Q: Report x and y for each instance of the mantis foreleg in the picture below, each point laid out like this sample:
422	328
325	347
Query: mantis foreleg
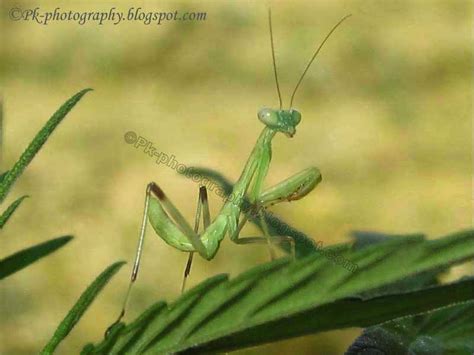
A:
293	188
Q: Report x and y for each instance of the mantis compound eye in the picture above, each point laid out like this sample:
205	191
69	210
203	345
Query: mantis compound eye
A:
295	116
268	116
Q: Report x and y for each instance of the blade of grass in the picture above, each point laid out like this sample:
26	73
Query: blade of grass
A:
9	211
82	304
25	257
37	143
2	175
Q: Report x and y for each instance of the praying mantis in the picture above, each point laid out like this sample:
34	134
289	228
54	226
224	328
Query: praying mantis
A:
169	224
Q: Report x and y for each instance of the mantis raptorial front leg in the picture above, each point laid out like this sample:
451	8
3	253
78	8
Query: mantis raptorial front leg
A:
293	188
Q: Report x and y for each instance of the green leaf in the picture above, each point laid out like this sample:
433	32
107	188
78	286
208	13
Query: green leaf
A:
445	331
25	257
284	299
82	304
36	144
424	279
9	211
345	313
304	245
2	175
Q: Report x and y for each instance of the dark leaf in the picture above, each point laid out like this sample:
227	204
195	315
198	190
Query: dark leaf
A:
25	257
444	331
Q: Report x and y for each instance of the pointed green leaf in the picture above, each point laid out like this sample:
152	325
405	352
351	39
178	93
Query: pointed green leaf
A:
9	211
82	304
304	245
284	298
37	143
366	238
23	258
425	279
2	176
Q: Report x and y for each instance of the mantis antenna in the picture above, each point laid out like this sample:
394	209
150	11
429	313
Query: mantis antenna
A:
273	56
314	56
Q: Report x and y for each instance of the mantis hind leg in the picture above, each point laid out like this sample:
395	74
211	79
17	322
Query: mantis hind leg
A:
202	209
188	232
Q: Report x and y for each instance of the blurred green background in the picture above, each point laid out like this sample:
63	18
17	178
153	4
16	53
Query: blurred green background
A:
386	117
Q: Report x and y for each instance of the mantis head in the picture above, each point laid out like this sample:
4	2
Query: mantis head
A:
284	121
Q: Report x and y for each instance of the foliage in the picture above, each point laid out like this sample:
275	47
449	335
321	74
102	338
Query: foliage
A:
25	257
284	299
81	306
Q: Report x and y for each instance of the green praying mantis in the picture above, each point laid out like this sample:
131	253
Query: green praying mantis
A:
172	227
